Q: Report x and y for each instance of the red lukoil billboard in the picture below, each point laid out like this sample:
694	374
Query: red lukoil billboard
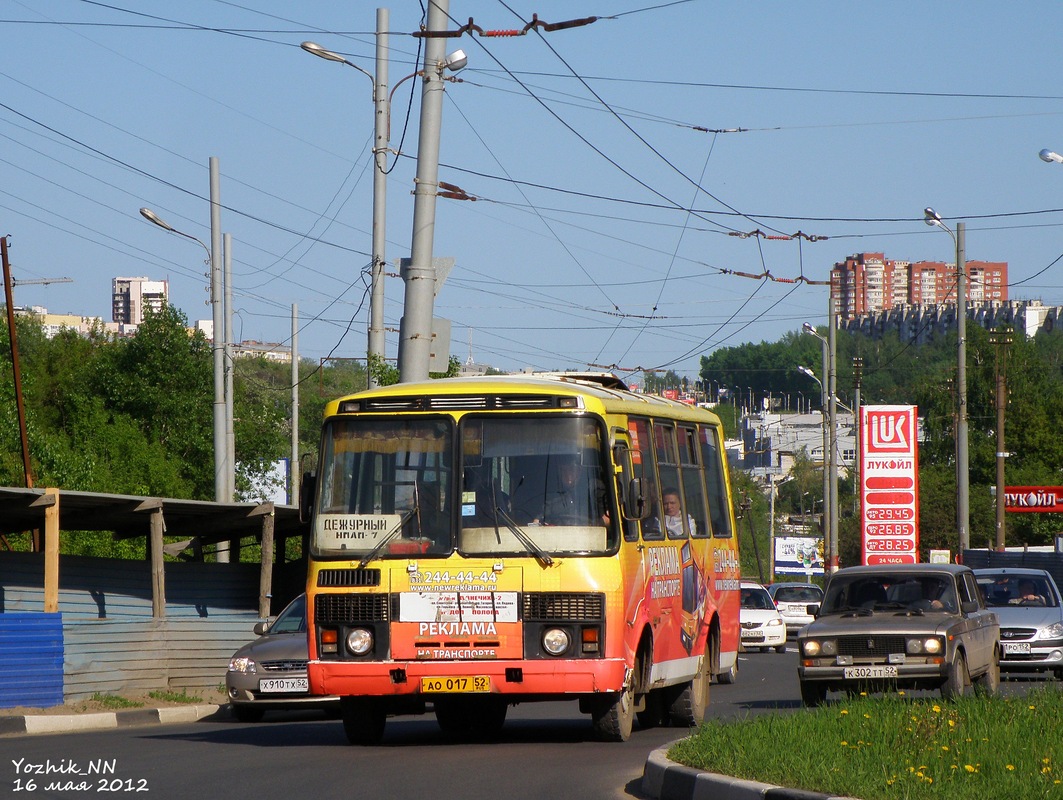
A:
889	485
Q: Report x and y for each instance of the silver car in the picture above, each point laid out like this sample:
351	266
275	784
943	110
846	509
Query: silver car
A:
269	674
904	626
1027	602
793	600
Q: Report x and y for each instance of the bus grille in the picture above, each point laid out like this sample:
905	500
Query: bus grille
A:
869	645
339	609
562	606
348	577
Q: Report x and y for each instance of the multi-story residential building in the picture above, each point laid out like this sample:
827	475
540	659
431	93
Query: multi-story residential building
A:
131	297
870	283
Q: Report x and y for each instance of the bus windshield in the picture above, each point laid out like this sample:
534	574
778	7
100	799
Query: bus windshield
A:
385	487
528	486
534	483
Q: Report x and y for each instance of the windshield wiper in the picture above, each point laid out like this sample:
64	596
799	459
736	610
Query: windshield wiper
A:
387	537
524	538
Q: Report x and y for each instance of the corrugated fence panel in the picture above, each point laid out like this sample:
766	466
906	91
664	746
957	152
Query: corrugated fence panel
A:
103	587
31	660
139	655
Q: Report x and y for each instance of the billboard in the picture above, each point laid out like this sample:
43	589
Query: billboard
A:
799	555
1033	499
889	485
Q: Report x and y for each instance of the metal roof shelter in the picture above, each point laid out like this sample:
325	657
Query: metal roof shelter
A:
129	516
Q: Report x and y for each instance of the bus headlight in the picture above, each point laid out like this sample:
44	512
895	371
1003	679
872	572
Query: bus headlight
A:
555	641
360	641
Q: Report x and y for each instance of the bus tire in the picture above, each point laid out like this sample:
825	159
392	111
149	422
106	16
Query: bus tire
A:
363	720
687	709
614	714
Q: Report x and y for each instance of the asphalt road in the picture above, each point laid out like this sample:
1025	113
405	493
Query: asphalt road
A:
545	751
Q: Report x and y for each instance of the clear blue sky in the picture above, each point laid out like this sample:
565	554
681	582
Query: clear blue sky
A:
609	189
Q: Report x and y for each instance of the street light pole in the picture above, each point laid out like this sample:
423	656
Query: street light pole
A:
376	344
825	508
221	459
963	508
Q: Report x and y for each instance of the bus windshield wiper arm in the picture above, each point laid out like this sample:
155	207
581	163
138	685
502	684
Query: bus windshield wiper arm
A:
523	538
387	538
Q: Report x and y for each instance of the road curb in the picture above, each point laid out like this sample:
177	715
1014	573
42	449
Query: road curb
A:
70	723
666	780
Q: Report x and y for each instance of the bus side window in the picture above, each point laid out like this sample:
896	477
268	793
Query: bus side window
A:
716	482
673	519
645	467
693	481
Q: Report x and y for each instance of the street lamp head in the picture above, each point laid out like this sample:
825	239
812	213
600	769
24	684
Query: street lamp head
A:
1050	157
151	216
806	371
808	328
456	60
321	52
931	217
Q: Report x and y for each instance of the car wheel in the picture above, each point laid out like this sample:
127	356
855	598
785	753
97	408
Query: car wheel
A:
813	693
363	720
731	675
780	648
988	683
957	680
247	713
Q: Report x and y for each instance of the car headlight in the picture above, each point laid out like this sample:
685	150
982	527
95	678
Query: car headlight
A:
360	641
774	623
1053	631
555	641
242	664
931	646
819	647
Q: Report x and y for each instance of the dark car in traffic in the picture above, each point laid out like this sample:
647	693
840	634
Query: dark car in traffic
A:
904	626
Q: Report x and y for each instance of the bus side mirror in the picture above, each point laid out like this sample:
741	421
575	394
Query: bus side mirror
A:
634	500
307	489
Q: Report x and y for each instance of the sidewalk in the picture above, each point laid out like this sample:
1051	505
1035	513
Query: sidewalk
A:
20	724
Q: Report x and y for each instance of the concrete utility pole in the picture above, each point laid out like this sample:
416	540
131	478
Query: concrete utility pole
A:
833	410
293	471
1001	337
415	330
218	346
227	347
382	116
963	476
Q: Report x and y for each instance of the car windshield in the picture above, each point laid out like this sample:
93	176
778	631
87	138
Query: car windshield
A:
1009	589
889	591
756	598
798	594
292	619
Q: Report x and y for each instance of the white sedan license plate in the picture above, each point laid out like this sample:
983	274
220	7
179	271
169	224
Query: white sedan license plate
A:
859	673
283	685
1016	648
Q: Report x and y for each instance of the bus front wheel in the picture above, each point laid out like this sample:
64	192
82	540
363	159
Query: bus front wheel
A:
363	720
690	700
614	715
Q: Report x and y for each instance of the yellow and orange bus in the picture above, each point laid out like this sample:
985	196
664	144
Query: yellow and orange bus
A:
481	542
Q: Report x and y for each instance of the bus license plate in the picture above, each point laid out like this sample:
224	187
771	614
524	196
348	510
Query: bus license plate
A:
858	673
283	685
468	683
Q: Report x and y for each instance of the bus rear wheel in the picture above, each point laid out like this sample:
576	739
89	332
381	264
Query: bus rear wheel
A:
363	720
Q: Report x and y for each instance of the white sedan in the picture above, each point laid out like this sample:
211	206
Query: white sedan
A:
762	625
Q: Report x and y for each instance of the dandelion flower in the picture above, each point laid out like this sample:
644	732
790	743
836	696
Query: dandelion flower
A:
1010	767
970	768
936	708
